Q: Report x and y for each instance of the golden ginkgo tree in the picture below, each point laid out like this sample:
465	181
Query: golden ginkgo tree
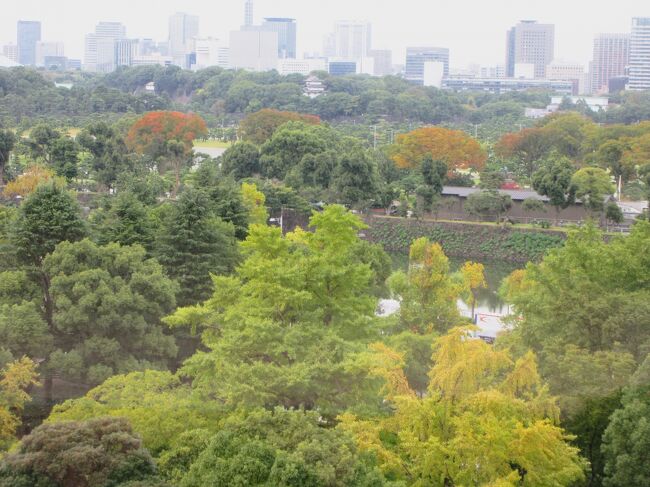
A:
487	420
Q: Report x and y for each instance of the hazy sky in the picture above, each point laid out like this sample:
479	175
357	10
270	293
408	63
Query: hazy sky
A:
474	30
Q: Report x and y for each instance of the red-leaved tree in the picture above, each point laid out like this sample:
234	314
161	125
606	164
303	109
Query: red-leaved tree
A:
168	138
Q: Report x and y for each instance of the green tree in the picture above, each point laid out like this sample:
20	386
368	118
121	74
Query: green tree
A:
426	292
613	212
286	327
583	309
41	141
554	179
280	448
225	197
588	425
107	306
48	216
158	405
241	161
124	219
64	157
492	180
101	452
355	177
110	157
627	440
488	203
592	185
194	243
7	142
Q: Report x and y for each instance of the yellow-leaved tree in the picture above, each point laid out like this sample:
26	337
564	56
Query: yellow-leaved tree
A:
473	277
26	183
254	201
487	420
15	378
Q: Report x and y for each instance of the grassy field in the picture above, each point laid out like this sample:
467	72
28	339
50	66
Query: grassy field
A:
217	144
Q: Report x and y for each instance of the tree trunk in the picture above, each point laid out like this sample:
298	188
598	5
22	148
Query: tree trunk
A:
48	311
47	388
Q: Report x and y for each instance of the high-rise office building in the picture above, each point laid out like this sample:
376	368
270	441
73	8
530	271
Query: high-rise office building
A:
48	49
419	60
10	51
210	52
254	50
530	43
29	33
99	54
567	71
286	29
640	54
351	40
125	51
248	13
611	57
183	28
383	61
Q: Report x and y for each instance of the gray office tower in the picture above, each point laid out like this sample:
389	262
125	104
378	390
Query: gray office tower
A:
417	57
286	29
530	43
29	33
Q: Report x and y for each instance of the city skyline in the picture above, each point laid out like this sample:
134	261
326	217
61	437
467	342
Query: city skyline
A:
470	39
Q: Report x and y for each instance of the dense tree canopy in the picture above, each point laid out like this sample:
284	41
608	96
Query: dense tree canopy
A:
487	420
100	452
284	330
455	148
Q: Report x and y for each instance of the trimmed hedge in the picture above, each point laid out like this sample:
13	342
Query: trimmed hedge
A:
464	240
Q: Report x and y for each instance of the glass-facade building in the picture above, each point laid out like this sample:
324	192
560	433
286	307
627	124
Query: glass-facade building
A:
29	33
417	57
286	29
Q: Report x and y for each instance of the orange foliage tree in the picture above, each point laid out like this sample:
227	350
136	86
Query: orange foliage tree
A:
167	137
258	127
454	147
27	182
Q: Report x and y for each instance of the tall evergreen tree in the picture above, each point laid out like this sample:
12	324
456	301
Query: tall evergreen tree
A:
195	243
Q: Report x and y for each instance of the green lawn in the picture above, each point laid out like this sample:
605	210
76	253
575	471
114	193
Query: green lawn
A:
212	144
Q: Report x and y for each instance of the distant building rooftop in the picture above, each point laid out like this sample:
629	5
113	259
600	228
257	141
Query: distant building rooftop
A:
515	194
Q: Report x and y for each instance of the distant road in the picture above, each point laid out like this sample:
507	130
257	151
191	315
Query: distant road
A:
211	151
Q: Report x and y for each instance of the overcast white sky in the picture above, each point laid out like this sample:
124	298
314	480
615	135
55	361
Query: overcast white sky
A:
474	30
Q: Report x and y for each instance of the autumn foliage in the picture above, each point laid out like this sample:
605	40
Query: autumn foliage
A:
167	137
27	182
258	127
151	133
457	149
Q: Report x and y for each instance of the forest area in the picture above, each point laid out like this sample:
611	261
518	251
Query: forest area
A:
159	329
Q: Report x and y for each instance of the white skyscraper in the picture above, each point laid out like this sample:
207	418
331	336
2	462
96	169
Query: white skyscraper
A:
254	50
100	46
183	28
640	54
351	40
10	51
210	52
